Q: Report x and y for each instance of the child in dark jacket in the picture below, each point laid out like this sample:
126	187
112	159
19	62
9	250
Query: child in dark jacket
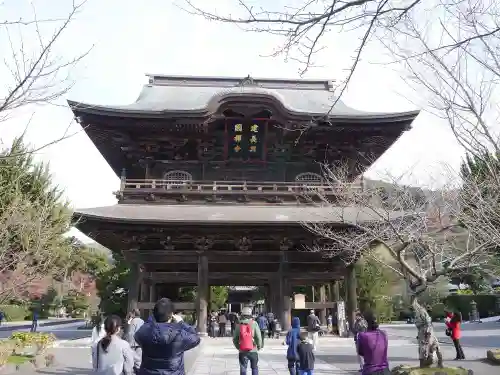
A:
293	340
306	355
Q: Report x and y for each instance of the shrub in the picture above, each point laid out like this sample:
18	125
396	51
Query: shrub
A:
485	304
7	347
39	341
14	312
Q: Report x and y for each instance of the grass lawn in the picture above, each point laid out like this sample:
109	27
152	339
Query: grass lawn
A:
18	359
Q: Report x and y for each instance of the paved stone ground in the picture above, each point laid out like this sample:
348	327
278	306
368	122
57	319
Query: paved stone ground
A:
334	356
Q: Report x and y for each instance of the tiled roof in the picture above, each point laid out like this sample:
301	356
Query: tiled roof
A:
203	94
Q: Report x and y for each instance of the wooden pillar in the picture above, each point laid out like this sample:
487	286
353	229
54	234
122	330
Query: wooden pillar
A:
203	295
313	291
351	294
144	293
335	288
322	297
152	292
133	287
286	306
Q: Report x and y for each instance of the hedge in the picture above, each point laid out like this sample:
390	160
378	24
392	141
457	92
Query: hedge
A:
14	313
485	303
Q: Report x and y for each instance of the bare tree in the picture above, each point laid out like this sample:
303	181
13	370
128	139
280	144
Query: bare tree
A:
419	234
307	26
39	76
457	65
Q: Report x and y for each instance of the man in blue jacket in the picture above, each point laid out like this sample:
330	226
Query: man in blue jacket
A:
164	341
263	326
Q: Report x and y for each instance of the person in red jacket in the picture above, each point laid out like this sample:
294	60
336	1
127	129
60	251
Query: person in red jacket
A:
453	324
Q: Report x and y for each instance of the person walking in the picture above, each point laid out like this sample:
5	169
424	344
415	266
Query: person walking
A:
248	341
359	325
34	322
271	325
2	317
306	355
263	326
212	325
372	345
222	324
454	331
313	328
164	341
293	340
134	322
329	324
111	355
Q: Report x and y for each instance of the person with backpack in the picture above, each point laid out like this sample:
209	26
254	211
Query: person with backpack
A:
293	340
248	341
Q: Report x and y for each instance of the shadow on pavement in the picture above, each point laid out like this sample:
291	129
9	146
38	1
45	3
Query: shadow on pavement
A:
66	371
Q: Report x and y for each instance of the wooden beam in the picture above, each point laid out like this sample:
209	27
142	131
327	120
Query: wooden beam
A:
177	305
192	277
258	256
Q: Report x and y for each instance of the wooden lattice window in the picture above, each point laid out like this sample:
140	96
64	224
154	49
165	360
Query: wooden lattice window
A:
309	177
177	177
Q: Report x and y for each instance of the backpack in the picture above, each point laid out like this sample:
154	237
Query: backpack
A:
246	336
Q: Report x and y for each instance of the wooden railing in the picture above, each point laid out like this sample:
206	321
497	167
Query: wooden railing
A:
231	187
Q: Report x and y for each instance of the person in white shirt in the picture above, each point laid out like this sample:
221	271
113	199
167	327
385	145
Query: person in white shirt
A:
112	355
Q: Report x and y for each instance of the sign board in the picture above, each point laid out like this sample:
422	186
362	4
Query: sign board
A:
341	310
299	301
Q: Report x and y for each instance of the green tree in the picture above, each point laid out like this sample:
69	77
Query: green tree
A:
75	302
374	287
218	297
112	284
33	219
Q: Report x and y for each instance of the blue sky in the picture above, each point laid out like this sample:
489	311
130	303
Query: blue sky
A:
131	38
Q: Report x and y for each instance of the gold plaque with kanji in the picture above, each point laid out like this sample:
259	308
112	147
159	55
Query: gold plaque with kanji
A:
254	128
237	138
253	148
253	139
237	148
238	127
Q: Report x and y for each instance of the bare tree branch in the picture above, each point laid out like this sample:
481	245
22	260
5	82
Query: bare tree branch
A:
38	75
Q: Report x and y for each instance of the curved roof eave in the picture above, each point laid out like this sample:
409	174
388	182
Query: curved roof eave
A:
195	214
117	111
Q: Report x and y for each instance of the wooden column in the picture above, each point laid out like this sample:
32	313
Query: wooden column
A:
152	292
351	294
286	306
274	296
203	295
335	288
322	297
133	287
144	293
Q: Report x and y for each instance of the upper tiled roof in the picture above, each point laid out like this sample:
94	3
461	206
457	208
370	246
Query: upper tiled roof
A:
186	94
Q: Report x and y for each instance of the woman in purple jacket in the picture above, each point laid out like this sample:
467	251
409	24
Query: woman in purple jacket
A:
372	346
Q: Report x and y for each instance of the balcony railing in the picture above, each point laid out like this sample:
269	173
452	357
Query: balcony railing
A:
231	187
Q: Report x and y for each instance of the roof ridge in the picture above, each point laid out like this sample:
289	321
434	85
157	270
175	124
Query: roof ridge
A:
219	81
